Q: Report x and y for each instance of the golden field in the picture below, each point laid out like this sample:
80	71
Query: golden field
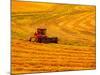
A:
74	25
33	58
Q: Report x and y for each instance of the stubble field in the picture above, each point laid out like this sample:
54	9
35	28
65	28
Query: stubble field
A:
74	25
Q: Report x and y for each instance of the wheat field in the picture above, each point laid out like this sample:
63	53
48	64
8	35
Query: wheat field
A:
74	25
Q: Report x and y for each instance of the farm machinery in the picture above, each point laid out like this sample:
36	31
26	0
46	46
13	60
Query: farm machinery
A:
41	37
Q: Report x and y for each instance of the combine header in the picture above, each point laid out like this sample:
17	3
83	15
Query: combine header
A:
41	37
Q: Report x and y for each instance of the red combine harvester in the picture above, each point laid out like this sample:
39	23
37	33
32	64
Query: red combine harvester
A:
41	37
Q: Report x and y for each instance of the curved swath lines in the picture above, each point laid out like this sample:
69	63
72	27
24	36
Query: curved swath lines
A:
69	30
84	27
50	12
77	23
74	23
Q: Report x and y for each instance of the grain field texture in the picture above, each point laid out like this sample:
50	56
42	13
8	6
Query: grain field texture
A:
74	25
33	58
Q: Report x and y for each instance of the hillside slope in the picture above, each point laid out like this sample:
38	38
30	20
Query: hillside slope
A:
74	25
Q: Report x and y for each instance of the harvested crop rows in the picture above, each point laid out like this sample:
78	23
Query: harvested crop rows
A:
74	25
31	57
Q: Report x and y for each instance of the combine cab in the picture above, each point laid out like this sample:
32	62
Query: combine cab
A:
41	37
